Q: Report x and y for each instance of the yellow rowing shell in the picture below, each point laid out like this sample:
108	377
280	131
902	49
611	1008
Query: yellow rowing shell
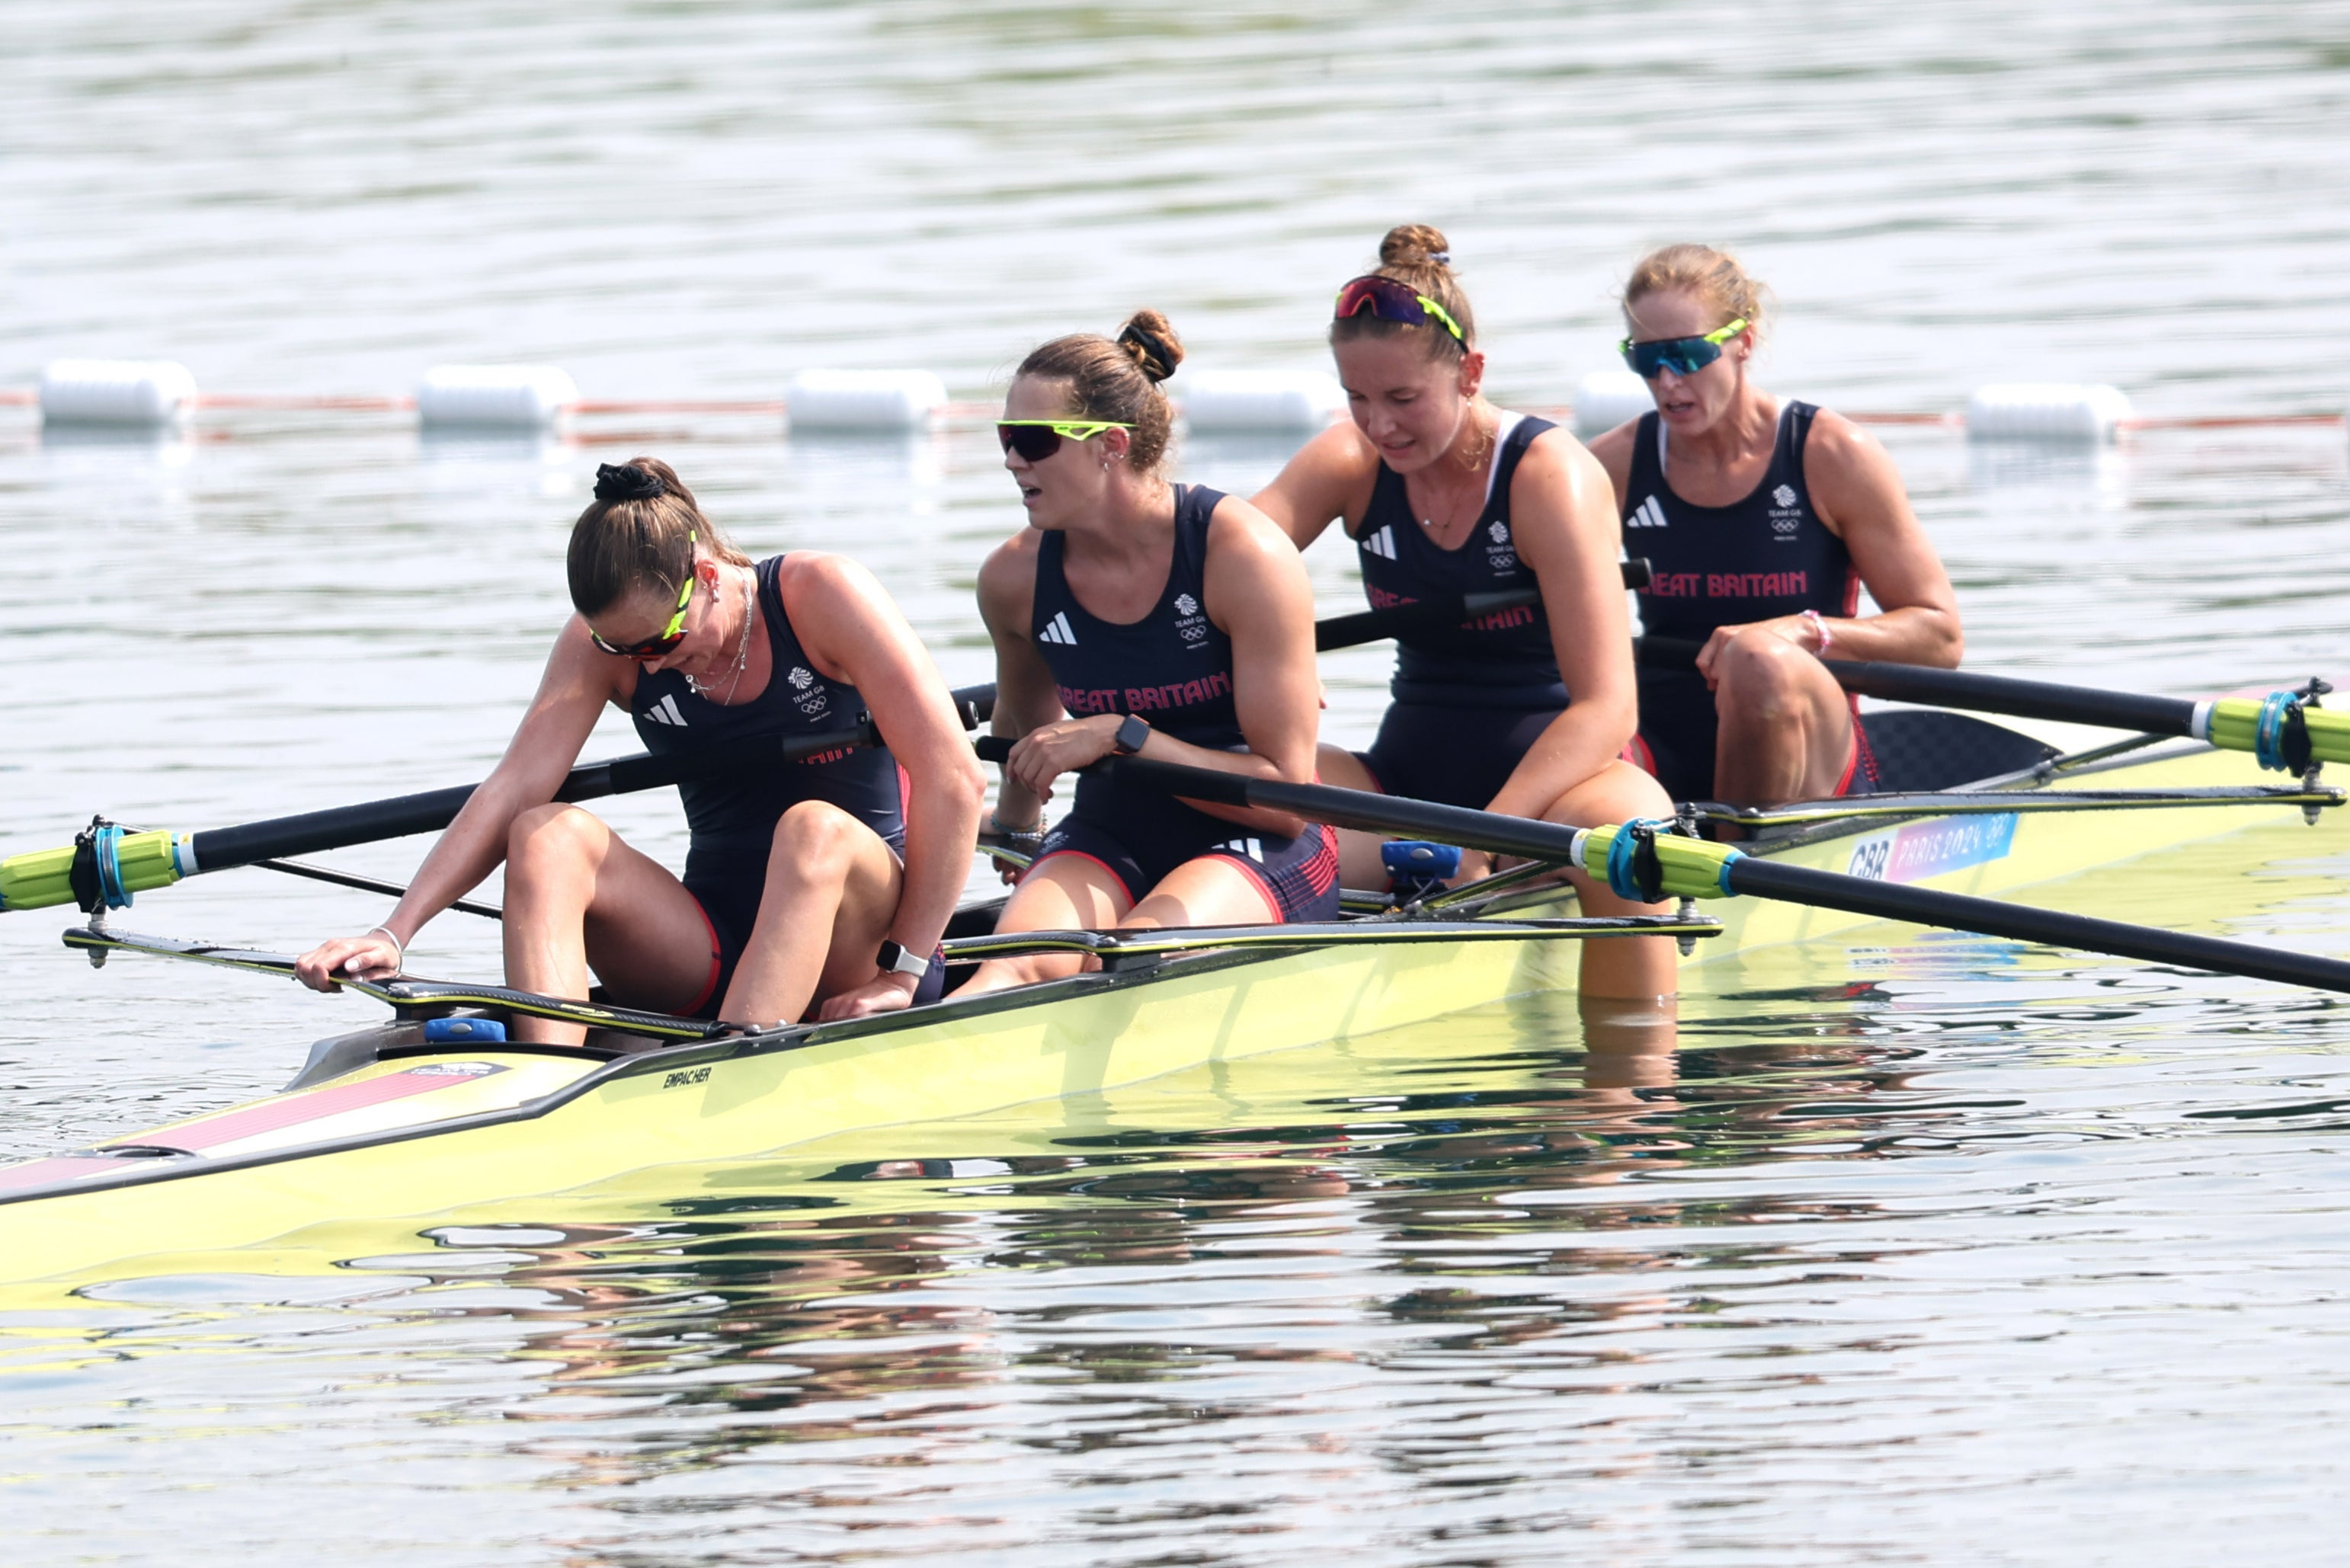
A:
391	1146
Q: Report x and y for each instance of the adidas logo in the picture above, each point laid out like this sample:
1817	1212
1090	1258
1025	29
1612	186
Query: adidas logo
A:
1186	605
1252	847
1381	544
1784	495
665	712
1058	630
1647	515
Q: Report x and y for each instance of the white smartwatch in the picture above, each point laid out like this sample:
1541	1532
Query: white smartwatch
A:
895	959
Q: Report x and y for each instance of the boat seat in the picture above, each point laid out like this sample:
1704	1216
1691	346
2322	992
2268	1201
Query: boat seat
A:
1923	749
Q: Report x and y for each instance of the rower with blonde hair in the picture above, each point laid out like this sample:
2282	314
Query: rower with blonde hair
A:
1761	523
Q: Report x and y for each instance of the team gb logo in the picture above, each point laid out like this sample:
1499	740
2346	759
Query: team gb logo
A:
1186	605
1784	495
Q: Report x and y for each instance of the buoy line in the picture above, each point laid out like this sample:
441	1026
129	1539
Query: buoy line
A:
161	394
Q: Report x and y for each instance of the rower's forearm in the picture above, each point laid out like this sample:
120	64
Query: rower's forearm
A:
1914	634
1576	746
941	830
472	847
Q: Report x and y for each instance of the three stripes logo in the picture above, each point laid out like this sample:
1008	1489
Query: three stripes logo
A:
1647	515
665	712
1381	544
1253	848
1058	630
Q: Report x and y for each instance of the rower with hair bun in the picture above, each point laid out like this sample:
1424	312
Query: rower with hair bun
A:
1761	523
1133	617
825	881
1523	710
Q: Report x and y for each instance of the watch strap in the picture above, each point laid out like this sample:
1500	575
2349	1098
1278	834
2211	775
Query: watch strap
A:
894	959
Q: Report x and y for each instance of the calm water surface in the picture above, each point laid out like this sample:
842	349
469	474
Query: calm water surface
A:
1923	1249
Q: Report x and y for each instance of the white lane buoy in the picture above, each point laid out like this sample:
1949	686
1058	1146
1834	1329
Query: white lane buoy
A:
2045	410
115	392
864	400
494	397
1606	399
1261	400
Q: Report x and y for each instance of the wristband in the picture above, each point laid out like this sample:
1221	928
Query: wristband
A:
995	821
1827	637
399	948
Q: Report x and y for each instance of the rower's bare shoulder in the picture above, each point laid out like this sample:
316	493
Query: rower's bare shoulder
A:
1241	528
1848	471
1007	578
1612	450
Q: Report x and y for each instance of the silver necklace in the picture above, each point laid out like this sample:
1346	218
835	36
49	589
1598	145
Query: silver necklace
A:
741	659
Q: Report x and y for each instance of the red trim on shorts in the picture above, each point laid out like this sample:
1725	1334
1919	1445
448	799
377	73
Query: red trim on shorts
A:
1861	755
1635	752
717	964
1130	898
1256	880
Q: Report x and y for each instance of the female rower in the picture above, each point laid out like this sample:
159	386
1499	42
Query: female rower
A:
1524	710
1133	617
808	881
1761	523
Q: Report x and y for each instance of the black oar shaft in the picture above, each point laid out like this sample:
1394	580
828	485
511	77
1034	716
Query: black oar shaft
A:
2016	698
2021	922
1747	874
1429	615
219	848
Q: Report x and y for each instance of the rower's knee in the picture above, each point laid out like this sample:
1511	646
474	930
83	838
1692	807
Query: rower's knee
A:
550	837
815	841
1762	675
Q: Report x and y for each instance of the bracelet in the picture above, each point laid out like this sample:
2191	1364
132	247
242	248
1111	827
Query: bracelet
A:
996	822
1827	637
399	948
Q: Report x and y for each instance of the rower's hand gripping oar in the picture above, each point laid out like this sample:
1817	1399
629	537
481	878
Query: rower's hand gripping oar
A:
107	864
1652	863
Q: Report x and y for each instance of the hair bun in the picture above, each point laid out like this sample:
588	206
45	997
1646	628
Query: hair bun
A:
626	481
1415	244
1152	340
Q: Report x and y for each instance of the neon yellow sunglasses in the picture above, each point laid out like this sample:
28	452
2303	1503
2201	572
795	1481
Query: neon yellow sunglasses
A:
1681	355
1037	440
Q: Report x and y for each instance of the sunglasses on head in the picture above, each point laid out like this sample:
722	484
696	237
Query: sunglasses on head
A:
1681	355
653	647
1385	299
1037	440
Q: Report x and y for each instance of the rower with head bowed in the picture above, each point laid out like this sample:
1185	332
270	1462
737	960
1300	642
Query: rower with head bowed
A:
1133	616
1761	523
823	881
1443	494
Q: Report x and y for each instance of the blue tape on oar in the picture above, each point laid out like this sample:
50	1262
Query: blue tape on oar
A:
2268	736
1628	876
106	846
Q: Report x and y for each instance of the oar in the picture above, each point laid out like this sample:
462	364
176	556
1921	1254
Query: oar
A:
2286	730
1650	865
105	865
1430	615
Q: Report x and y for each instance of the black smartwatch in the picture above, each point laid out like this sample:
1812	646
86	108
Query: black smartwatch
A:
1132	735
894	959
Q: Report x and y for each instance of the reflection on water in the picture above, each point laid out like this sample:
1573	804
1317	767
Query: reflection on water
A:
1493	1289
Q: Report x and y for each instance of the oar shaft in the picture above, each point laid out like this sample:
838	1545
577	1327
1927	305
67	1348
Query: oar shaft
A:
1429	615
2016	698
2021	922
1701	869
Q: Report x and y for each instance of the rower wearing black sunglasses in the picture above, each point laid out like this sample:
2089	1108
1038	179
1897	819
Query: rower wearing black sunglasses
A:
1761	525
826	880
1135	616
1444	495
